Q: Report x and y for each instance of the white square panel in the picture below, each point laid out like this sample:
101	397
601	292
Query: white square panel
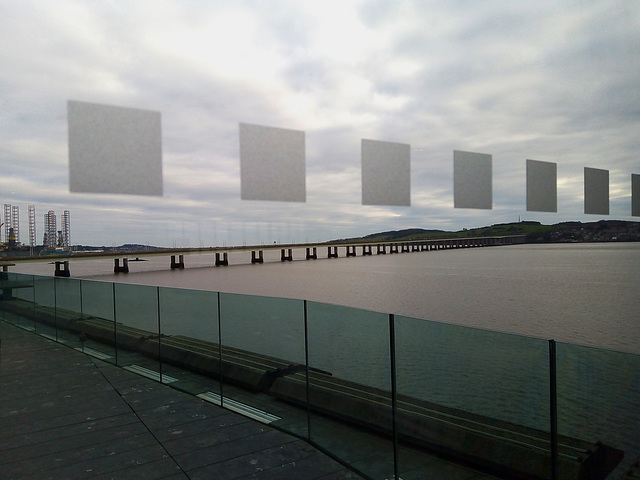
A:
596	191
114	149
386	173
472	180
635	195
272	164
542	190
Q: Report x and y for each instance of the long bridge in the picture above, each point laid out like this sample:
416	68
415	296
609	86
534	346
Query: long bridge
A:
256	253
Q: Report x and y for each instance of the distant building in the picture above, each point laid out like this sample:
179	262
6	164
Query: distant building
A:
11	224
7	221
65	220
15	223
32	226
50	230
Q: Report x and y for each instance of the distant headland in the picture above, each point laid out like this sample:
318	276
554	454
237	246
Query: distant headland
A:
536	232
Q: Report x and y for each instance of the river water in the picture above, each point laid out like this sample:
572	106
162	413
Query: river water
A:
588	294
582	294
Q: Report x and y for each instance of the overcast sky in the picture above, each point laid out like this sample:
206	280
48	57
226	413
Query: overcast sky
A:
557	81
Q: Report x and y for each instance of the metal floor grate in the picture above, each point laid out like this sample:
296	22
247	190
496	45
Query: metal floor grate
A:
241	408
93	353
153	375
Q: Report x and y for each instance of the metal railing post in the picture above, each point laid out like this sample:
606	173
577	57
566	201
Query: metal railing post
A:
553	410
115	323
306	361
394	392
220	349
159	332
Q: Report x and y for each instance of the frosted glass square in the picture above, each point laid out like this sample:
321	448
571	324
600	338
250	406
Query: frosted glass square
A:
596	191
386	173
472	180
542	191
114	149
272	164
635	195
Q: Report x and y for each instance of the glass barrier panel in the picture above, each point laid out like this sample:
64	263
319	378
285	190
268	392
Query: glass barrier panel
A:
16	300
350	386
189	347
45	304
599	407
97	327
68	311
469	398
137	333
263	358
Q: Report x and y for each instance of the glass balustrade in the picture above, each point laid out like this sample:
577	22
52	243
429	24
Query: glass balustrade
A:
599	403
387	395
190	340
263	351
471	395
350	384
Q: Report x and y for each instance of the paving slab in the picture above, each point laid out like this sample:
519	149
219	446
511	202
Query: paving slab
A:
67	415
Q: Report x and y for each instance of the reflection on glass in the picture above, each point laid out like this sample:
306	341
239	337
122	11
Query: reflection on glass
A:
472	395
264	351
189	350
350	383
137	334
97	334
599	401
16	300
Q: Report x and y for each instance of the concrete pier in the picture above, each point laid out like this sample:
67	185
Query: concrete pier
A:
117	268
393	248
366	250
312	253
257	256
179	264
351	250
381	249
333	252
286	255
62	269
222	259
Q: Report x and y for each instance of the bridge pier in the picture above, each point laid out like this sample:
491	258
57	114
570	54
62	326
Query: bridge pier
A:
351	250
117	268
312	253
62	269
366	250
259	258
381	250
393	248
405	248
179	264
222	259
288	257
415	247
333	252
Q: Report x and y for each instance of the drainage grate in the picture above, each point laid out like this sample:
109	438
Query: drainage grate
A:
153	375
26	327
241	408
94	353
52	337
